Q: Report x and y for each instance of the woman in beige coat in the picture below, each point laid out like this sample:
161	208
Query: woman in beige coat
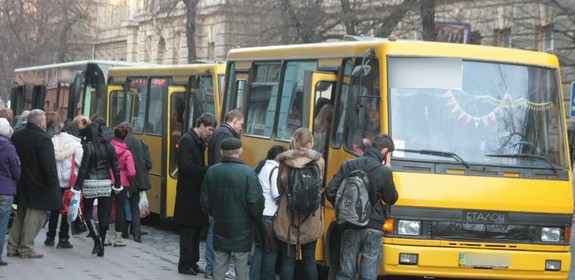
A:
296	238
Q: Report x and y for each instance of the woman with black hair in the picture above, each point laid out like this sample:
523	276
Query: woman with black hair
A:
94	180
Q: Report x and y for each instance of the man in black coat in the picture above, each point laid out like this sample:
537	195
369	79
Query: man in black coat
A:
38	189
188	211
143	163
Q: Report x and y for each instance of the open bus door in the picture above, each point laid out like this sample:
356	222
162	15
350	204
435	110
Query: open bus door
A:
319	92
174	114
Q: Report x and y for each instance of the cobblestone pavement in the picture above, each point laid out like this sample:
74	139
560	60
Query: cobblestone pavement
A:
155	258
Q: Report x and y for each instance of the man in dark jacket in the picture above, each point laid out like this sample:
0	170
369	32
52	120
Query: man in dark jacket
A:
232	194
188	212
234	120
38	187
366	240
143	164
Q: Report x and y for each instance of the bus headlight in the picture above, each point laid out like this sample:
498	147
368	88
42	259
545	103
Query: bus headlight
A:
406	227
550	234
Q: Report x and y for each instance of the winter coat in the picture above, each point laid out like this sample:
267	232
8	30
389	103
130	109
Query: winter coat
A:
125	162
97	166
268	179
232	194
9	167
38	187
381	185
142	162
311	228
223	132
191	172
66	145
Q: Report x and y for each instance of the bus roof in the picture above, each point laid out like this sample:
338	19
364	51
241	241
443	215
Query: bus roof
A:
158	70
79	63
341	49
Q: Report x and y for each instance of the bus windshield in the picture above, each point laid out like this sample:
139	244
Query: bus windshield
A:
483	112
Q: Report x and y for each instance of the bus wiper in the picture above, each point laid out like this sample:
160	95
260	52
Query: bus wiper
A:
439	154
526	156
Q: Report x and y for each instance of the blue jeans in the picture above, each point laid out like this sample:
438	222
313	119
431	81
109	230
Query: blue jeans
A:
210	249
288	262
5	205
368	243
263	264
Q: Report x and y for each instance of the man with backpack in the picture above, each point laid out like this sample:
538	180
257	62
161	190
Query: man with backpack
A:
362	223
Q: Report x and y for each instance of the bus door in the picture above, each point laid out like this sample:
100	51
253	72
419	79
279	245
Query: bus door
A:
175	114
320	89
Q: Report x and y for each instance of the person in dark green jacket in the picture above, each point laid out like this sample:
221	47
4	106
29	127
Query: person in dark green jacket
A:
232	194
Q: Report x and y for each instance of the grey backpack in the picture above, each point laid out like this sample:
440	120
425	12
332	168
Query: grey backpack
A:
352	203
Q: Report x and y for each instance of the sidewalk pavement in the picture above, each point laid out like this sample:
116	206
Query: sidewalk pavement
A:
155	258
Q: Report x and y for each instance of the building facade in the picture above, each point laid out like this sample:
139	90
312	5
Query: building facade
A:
154	31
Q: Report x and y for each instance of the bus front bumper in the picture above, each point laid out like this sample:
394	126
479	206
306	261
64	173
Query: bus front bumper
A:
472	263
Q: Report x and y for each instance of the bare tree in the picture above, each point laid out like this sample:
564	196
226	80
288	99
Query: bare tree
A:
34	32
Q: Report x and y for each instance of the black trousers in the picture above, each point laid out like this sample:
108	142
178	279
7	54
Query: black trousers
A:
53	223
189	248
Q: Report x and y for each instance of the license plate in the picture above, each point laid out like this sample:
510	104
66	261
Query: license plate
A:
478	260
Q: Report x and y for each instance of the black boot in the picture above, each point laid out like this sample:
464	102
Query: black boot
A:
102	240
93	228
126	230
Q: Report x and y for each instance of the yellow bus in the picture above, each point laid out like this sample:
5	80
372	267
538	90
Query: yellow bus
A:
71	88
161	103
481	161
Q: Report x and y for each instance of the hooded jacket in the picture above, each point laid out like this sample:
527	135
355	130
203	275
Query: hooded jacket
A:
125	162
66	145
9	167
312	227
381	186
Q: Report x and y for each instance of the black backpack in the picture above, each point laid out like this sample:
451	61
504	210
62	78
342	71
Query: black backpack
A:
304	196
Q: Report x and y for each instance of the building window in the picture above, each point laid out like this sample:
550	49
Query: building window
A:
546	38
503	37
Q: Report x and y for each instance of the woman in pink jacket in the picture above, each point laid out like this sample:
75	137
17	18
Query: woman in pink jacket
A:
127	173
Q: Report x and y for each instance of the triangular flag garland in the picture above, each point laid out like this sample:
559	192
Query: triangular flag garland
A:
452	95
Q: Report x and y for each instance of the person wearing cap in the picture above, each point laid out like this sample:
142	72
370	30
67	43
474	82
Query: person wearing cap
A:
9	176
38	187
188	212
234	120
232	194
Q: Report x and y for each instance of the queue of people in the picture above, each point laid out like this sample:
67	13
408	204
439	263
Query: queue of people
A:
45	158
247	210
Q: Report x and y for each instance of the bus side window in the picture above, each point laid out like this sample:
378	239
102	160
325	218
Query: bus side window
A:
137	106
262	99
290	113
155	114
261	110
